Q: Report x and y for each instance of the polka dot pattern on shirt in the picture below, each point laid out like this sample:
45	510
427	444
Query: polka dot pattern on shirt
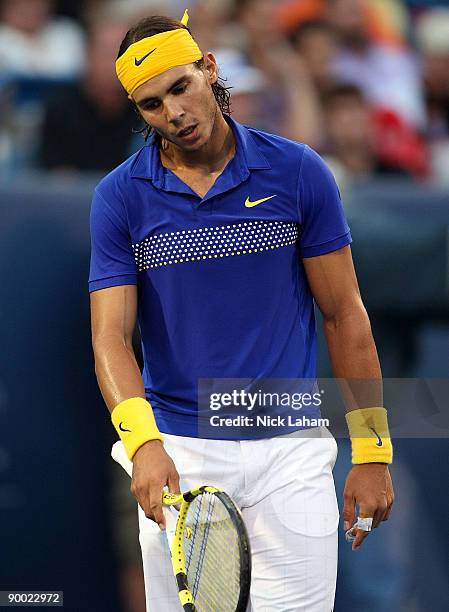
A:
213	243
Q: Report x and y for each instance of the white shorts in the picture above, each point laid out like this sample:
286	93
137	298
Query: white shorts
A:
285	490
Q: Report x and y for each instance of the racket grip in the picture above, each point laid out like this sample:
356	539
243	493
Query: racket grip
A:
171	517
118	453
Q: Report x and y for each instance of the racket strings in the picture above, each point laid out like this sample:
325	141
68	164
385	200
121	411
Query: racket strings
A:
200	509
211	545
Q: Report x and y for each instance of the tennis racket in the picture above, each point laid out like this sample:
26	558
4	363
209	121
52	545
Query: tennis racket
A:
210	550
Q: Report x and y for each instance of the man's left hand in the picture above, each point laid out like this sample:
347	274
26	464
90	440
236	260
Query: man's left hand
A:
369	487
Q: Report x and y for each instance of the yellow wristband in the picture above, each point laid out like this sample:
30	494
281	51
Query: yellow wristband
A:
370	438
135	424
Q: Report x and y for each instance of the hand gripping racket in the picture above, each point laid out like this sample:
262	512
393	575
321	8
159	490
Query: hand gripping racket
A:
210	551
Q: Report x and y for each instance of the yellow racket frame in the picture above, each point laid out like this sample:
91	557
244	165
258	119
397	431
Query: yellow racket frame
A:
177	551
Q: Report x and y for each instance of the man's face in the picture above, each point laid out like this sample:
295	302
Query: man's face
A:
257	17
349	19
29	16
103	40
349	123
318	48
178	100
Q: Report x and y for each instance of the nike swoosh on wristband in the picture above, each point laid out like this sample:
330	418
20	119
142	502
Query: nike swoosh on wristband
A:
250	204
142	59
121	428
379	442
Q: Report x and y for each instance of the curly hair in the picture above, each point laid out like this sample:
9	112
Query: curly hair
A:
149	26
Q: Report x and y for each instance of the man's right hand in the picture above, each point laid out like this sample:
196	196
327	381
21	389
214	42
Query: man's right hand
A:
153	469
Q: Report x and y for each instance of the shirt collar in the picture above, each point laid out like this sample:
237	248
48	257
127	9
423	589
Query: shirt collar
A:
147	164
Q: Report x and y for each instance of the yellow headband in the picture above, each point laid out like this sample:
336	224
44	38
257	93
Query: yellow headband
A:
152	56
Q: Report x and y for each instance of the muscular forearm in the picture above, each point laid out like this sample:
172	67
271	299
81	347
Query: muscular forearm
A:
354	356
118	374
368	492
119	380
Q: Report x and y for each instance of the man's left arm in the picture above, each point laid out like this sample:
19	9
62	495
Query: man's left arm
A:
353	355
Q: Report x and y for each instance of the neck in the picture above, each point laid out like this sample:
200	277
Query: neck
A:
211	157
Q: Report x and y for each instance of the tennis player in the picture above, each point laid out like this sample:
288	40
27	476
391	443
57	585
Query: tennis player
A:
219	238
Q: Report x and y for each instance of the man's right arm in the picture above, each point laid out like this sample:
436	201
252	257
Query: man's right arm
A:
113	317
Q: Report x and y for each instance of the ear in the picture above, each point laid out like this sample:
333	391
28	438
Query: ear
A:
211	66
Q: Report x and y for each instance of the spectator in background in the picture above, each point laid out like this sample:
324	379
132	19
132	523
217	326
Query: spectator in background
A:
89	126
316	46
290	100
316	43
386	21
33	43
212	22
133	10
247	85
350	125
432	32
387	74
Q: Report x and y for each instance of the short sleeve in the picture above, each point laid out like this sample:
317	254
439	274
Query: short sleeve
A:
323	224
112	260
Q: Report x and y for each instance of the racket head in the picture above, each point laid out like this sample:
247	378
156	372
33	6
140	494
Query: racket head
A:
211	553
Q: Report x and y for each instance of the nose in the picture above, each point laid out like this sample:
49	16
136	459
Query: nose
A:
174	111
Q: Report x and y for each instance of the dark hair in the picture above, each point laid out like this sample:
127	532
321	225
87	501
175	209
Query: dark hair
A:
341	91
149	26
311	26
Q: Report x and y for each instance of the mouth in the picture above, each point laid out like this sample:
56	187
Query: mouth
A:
188	133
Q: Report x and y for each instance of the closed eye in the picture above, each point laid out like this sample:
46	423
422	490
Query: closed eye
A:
179	90
154	103
151	105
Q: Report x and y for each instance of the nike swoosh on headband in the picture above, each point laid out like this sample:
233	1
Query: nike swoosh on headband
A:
142	59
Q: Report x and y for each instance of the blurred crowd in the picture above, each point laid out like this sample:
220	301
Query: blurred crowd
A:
364	82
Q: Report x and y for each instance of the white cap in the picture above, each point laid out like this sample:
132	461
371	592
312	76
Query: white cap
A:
432	31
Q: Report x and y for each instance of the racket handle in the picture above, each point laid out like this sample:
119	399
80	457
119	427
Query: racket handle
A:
171	517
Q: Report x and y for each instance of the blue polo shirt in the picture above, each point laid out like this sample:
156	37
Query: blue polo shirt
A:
222	291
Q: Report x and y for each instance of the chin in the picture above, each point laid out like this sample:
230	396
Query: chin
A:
194	146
